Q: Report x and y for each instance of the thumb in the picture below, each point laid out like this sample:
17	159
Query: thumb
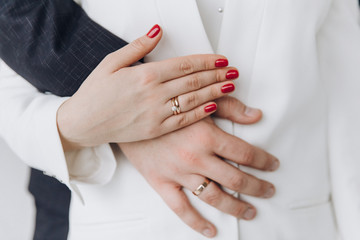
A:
134	51
234	110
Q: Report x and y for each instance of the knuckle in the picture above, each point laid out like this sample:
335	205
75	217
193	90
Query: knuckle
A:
218	76
231	103
138	44
194	82
209	137
189	158
183	120
206	64
186	67
198	114
228	104
179	208
214	92
248	156
191	100
210	140
238	182
221	146
213	198
148	76
204	134
239	210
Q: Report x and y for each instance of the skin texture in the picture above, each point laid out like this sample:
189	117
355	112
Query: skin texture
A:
184	158
116	100
172	152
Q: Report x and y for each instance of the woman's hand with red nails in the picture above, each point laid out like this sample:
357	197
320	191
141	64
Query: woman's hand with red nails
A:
123	103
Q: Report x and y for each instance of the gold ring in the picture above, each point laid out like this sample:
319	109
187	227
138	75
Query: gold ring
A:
175	105
201	187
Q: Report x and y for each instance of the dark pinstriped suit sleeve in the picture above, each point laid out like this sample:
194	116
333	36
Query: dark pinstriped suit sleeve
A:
54	45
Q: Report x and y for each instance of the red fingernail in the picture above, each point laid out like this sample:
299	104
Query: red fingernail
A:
228	88
210	108
154	31
232	74
221	63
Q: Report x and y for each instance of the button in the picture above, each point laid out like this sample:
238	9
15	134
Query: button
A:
220	10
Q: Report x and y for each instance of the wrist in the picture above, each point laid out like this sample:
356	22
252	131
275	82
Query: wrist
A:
65	126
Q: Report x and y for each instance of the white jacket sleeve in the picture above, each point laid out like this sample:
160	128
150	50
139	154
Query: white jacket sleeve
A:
339	50
28	124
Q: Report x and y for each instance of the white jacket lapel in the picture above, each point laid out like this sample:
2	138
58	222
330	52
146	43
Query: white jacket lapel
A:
239	39
183	27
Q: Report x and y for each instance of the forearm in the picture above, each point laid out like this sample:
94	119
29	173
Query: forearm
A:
28	125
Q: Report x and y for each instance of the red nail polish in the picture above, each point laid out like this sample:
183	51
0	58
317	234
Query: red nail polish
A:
154	31
228	88
232	74
210	108
221	63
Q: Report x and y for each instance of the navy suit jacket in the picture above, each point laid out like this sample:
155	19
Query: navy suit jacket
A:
54	45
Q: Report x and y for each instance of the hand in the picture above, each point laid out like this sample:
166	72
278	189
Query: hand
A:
186	157
118	103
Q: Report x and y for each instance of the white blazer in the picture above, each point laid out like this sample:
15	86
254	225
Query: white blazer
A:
299	62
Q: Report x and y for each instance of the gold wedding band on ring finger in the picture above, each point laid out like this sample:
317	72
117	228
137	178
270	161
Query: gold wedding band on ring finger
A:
201	188
175	105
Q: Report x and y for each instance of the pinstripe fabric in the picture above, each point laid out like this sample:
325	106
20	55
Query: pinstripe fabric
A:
54	45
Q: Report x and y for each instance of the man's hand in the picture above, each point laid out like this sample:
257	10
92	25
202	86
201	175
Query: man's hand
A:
186	157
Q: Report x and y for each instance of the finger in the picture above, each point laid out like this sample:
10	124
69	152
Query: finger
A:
198	81
184	119
181	66
178	202
193	99
231	177
132	52
241	152
222	201
234	110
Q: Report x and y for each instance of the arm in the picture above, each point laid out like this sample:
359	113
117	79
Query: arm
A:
53	44
110	117
51	63
56	30
28	124
189	149
69	60
262	192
